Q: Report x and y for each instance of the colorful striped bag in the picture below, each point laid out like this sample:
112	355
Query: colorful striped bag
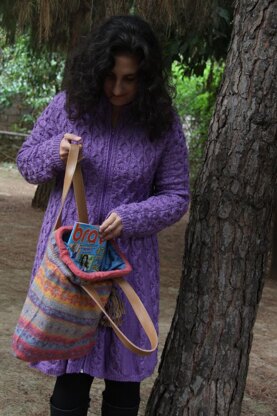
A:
64	304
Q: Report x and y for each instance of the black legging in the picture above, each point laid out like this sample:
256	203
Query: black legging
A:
72	390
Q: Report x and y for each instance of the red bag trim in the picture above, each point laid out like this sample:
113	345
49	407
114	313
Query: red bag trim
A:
89	276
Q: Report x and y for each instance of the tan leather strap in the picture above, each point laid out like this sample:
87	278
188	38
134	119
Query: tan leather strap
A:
80	195
140	312
73	174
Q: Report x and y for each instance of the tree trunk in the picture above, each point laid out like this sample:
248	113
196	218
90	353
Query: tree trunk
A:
205	360
273	269
42	194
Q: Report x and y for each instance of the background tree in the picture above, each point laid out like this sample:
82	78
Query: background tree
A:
191	30
205	361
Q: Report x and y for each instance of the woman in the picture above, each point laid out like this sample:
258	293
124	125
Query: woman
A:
84	262
116	105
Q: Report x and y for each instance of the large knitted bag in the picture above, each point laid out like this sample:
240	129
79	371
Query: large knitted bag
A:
64	304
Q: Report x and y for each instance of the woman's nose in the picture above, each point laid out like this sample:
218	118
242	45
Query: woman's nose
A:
117	88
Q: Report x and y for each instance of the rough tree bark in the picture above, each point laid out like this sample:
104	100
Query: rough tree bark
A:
205	360
42	194
273	269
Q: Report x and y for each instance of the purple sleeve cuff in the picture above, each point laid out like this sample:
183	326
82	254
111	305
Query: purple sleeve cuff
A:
127	230
152	215
58	164
39	163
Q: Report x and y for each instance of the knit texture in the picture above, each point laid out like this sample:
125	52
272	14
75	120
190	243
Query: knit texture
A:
58	318
145	182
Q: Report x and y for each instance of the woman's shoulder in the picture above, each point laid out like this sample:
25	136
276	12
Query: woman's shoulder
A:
56	107
176	120
58	100
176	126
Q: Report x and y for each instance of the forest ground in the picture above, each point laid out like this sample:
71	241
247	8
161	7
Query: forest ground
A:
26	392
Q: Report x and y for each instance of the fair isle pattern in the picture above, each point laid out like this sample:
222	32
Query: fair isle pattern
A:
145	182
58	320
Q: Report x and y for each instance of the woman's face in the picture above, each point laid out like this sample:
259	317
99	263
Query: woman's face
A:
120	85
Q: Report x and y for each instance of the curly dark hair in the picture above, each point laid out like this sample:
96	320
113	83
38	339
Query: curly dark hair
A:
95	58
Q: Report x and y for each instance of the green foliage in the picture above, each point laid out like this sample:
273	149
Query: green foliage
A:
195	100
8	19
35	78
190	31
194	45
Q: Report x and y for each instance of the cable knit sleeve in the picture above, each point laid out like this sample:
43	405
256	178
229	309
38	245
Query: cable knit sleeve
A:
170	199
38	160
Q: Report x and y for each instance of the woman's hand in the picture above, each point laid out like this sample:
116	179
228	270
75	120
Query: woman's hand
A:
111	227
65	145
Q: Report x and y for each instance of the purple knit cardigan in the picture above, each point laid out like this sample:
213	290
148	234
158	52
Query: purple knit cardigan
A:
145	182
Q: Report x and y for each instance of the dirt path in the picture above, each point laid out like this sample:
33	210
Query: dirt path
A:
26	392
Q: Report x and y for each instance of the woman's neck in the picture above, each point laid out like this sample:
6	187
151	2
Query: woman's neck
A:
115	115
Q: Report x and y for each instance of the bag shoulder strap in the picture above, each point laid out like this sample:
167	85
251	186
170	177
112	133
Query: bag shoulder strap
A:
140	312
73	174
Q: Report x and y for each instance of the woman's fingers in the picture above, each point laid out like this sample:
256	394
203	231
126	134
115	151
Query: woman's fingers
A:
72	137
64	149
66	141
108	222
111	227
109	235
